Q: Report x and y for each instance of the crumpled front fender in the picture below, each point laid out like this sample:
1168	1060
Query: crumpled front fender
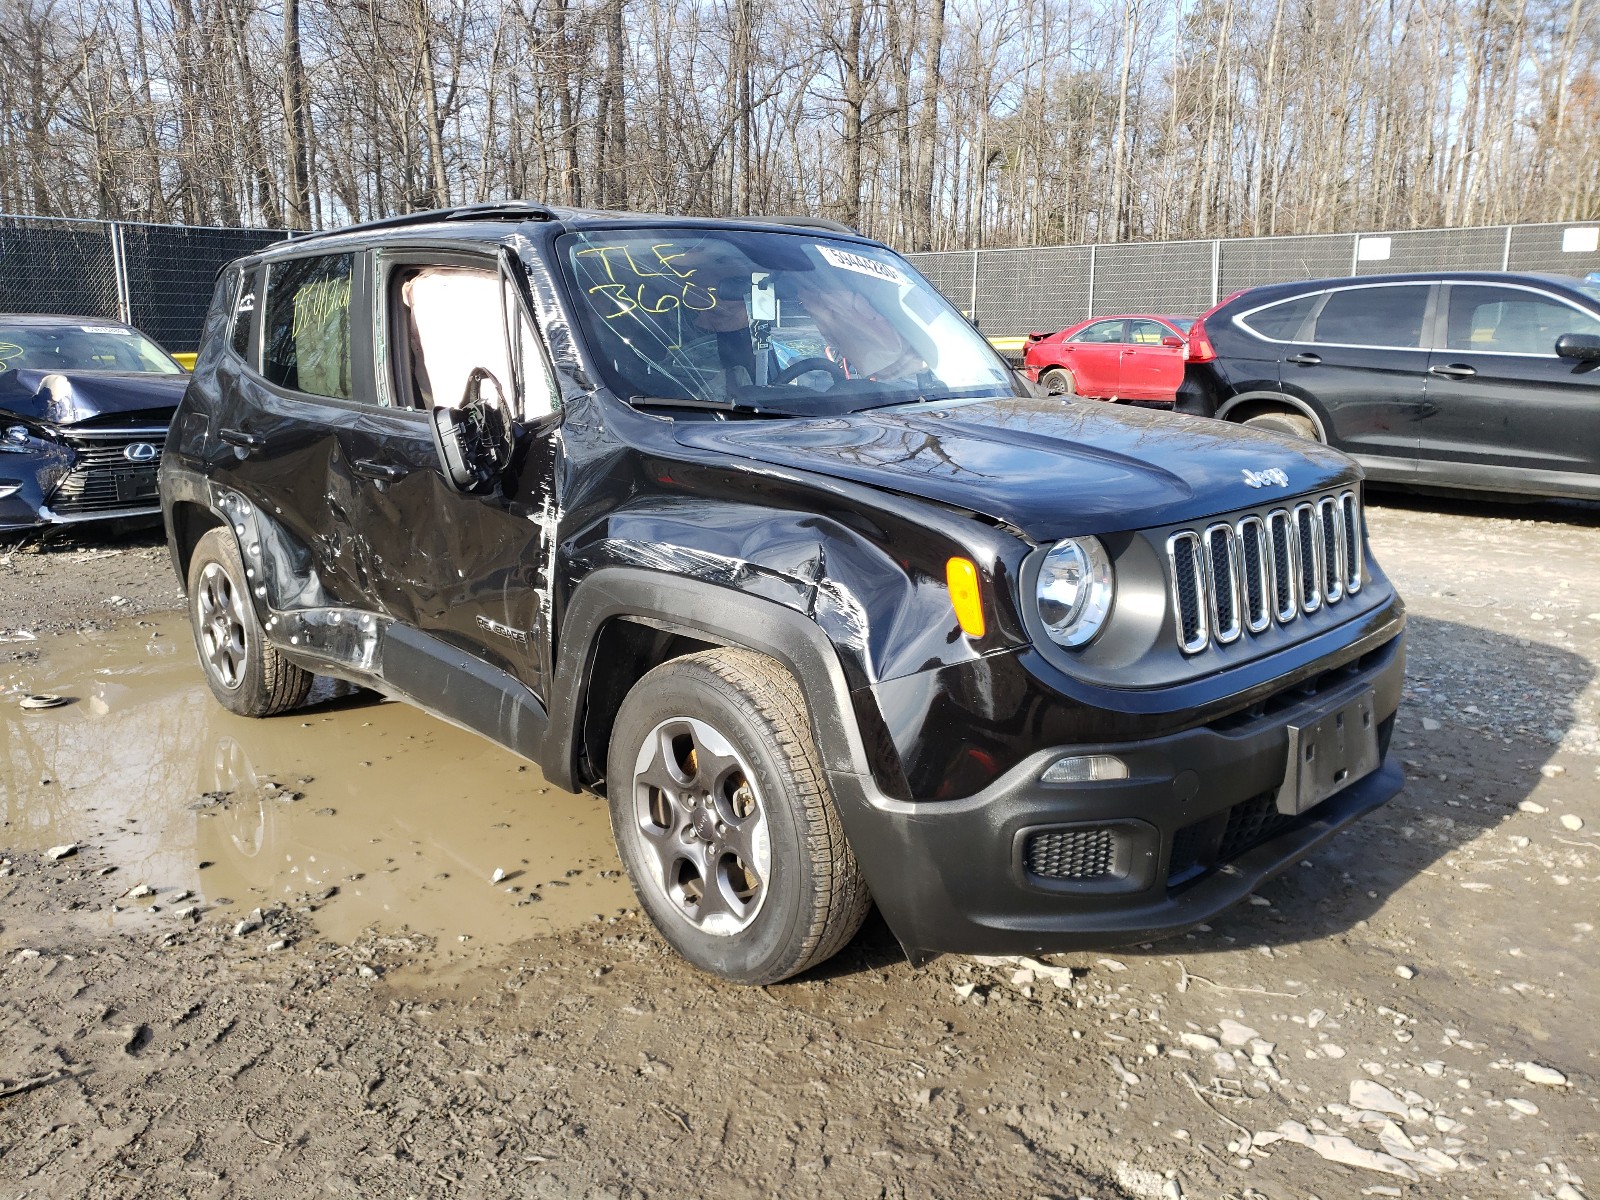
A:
29	473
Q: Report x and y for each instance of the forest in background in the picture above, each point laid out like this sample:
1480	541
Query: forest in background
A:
931	124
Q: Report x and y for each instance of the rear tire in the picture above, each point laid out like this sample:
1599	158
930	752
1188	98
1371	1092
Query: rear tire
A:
1059	382
1285	422
245	674
725	822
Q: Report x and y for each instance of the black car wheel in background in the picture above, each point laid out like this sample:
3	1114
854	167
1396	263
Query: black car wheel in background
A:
1483	381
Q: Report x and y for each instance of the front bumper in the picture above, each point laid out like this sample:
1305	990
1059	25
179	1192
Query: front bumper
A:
1195	829
85	476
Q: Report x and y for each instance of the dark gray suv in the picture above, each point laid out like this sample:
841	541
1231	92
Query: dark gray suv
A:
1476	380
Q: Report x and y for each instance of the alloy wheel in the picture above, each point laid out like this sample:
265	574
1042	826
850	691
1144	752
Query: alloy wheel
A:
704	826
220	620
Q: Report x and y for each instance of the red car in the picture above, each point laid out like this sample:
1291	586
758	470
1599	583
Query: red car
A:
1111	358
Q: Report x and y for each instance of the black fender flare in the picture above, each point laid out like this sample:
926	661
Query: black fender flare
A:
709	613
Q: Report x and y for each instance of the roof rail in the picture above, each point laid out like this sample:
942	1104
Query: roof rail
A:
506	210
803	222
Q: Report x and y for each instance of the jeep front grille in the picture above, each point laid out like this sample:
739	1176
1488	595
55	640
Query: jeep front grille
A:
1275	566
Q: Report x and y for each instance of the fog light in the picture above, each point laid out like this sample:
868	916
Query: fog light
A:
1087	768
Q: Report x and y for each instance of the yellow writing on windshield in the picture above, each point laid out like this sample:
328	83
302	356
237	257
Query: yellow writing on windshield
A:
8	351
648	282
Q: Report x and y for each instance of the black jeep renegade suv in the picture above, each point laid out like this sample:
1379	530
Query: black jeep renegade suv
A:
742	526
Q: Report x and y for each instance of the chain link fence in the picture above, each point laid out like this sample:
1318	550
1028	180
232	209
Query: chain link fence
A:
1013	292
157	278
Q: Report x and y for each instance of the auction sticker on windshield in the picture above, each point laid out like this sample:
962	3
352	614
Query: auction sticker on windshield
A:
860	263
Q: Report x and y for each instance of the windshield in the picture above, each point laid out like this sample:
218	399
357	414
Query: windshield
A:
779	322
86	347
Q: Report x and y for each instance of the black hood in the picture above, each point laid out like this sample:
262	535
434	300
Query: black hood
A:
82	396
1049	467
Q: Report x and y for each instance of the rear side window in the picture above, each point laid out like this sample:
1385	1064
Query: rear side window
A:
1496	320
306	325
1100	332
1282	321
1147	333
1373	316
244	312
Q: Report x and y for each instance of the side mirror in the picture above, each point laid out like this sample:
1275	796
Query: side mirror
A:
1585	347
1036	391
474	441
1171	342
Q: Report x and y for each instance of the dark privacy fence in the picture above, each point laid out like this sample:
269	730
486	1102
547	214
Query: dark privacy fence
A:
156	278
1046	288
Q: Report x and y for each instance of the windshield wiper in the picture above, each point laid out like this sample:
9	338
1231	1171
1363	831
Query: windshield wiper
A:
933	398
729	406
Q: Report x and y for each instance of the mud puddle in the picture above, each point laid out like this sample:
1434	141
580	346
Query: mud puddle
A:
409	818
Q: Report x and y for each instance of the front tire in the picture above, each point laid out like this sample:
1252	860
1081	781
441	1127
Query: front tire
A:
725	822
246	675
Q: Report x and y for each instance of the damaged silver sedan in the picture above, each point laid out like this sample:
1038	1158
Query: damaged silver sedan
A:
84	409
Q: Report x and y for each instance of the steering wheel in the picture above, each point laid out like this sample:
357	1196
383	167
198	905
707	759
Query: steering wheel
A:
804	366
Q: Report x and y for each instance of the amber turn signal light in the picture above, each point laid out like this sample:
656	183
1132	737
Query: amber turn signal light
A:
967	599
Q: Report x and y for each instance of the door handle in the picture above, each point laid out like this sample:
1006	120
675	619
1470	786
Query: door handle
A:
1453	371
1305	360
241	439
373	469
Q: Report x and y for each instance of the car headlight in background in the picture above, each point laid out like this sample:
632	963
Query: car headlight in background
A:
1075	590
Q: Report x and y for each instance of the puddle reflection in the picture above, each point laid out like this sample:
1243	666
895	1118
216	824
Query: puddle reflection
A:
409	818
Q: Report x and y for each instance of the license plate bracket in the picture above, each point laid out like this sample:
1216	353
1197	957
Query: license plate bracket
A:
1328	753
133	486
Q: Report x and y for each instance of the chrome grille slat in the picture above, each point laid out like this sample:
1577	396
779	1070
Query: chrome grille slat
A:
1308	539
1285	564
1222	576
1256	584
1350	508
1330	522
1266	568
1189	598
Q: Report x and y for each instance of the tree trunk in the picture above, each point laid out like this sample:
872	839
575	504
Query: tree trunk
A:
927	126
296	208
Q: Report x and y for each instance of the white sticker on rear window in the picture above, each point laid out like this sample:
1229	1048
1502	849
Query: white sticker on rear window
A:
101	329
850	261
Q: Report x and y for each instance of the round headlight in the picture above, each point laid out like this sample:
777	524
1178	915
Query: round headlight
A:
1075	590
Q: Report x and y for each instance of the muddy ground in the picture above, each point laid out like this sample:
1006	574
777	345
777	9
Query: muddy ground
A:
1411	1013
